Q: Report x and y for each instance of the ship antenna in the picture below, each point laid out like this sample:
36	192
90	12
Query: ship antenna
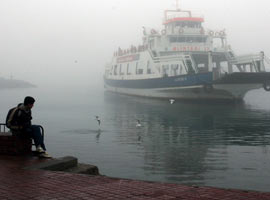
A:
177	4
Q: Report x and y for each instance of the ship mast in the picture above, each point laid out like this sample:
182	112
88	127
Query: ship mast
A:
177	10
177	5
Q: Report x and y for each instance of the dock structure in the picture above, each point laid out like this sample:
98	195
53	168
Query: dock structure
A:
20	179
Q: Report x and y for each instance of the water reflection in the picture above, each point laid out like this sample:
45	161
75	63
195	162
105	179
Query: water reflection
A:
185	141
97	132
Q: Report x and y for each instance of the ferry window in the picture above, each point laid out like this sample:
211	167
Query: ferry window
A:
152	43
190	69
128	73
201	39
111	70
217	43
174	69
140	71
115	70
158	68
188	39
173	39
191	24
202	68
181	69
148	67
120	70
181	39
178	24
165	69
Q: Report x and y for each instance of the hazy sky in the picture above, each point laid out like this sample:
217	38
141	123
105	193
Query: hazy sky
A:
69	41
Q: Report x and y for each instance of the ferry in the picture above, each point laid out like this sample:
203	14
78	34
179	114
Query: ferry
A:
185	61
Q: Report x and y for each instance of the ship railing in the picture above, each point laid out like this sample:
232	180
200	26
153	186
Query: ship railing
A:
259	62
151	54
3	128
267	60
245	59
181	15
174	58
230	57
157	58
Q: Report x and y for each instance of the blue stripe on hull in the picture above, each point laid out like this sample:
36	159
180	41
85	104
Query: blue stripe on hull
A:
165	82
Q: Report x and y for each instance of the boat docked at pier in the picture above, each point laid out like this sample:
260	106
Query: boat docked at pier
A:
185	61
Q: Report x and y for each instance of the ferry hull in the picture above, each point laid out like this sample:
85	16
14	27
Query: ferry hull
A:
228	92
191	87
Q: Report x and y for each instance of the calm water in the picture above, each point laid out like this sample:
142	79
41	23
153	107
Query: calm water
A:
195	144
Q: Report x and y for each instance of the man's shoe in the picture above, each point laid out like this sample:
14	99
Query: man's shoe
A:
40	150
44	155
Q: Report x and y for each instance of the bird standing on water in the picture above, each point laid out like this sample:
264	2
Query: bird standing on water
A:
172	101
98	120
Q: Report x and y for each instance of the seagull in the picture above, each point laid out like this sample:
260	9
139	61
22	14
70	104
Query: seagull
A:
138	123
98	120
172	101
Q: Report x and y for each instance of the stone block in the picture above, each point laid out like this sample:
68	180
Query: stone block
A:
60	164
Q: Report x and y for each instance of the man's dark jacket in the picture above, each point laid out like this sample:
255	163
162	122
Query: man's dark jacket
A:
20	119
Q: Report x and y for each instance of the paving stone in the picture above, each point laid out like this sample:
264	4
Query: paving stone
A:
20	181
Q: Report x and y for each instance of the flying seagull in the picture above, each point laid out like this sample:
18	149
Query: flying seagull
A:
138	123
172	101
98	120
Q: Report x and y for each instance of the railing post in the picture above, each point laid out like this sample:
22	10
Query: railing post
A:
262	61
210	61
2	127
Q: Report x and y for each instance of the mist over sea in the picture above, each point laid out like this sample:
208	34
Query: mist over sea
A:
217	145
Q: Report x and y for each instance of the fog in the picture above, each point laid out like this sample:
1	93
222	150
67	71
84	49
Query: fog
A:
68	42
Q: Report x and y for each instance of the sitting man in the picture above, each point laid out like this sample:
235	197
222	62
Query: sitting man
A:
19	121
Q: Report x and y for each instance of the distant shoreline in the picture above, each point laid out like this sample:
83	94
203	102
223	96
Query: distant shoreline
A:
13	84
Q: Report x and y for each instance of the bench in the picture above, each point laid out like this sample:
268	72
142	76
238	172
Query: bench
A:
14	143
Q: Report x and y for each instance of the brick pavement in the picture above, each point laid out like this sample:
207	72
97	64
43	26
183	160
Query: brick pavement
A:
19	183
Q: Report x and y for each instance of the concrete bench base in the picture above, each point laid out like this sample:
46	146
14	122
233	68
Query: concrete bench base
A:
14	145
